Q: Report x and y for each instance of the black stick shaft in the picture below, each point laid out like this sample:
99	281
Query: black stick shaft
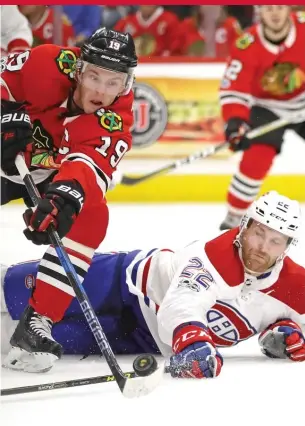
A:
130	180
63	385
68	384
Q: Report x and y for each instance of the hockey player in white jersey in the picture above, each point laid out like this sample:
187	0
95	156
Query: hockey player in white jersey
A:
189	303
16	34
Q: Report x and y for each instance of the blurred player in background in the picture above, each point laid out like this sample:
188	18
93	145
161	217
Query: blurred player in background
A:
70	111
187	303
41	19
155	31
193	30
264	80
16	34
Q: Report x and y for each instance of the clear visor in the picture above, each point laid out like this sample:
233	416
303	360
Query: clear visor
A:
102	80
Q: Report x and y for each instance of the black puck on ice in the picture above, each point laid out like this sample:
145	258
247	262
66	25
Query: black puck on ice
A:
144	365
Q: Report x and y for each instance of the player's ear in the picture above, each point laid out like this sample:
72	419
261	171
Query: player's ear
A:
78	69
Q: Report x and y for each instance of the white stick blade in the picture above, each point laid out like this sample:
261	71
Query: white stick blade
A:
141	386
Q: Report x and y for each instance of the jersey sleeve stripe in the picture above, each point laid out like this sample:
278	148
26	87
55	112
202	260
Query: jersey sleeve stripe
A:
145	276
227	93
101	179
234	100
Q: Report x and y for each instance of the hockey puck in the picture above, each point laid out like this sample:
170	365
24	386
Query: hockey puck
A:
144	365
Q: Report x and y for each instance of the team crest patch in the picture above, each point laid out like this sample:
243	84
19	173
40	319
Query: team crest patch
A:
282	78
109	120
244	41
29	281
190	284
66	62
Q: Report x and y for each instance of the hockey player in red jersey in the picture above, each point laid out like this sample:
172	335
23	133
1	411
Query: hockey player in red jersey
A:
264	80
70	110
189	303
155	31
41	19
192	28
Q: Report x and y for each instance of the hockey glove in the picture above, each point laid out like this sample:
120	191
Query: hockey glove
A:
61	205
16	134
235	134
283	339
195	353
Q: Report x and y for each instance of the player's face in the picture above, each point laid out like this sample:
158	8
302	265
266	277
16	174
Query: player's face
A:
261	246
275	17
28	10
206	11
147	11
98	88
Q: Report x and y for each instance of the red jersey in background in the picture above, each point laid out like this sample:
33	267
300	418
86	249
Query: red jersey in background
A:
43	31
193	37
265	74
156	36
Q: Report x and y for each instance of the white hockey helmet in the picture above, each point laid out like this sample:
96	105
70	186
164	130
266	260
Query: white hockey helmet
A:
277	212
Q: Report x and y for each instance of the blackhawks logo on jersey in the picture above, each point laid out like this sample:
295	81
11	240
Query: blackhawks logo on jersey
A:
244	41
66	62
109	120
145	44
283	78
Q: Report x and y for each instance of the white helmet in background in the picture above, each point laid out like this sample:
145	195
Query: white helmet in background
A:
278	212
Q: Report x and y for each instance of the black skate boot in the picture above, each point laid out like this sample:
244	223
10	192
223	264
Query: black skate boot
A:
231	221
33	348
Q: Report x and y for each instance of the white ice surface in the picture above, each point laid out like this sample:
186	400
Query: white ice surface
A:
251	390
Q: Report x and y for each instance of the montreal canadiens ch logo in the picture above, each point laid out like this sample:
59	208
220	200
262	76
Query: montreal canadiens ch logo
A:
227	325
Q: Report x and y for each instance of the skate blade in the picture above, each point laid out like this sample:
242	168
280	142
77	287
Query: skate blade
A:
29	362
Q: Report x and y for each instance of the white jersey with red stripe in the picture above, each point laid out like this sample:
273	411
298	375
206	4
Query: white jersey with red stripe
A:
16	34
206	282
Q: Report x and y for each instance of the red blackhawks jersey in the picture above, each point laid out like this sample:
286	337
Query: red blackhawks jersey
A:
264	74
85	147
193	37
43	31
207	283
156	36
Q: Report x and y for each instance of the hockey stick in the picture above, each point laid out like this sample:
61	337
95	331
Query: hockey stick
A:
67	384
129	387
129	180
252	134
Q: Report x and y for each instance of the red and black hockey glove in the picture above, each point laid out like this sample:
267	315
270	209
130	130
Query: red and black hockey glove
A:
235	131
283	339
16	134
195	353
61	205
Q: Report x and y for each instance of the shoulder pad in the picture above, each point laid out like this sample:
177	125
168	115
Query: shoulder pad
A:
66	62
244	41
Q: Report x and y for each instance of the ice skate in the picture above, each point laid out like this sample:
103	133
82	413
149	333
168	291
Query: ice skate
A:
33	348
232	220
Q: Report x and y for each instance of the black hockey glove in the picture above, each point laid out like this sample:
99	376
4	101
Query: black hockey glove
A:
16	134
235	130
61	205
